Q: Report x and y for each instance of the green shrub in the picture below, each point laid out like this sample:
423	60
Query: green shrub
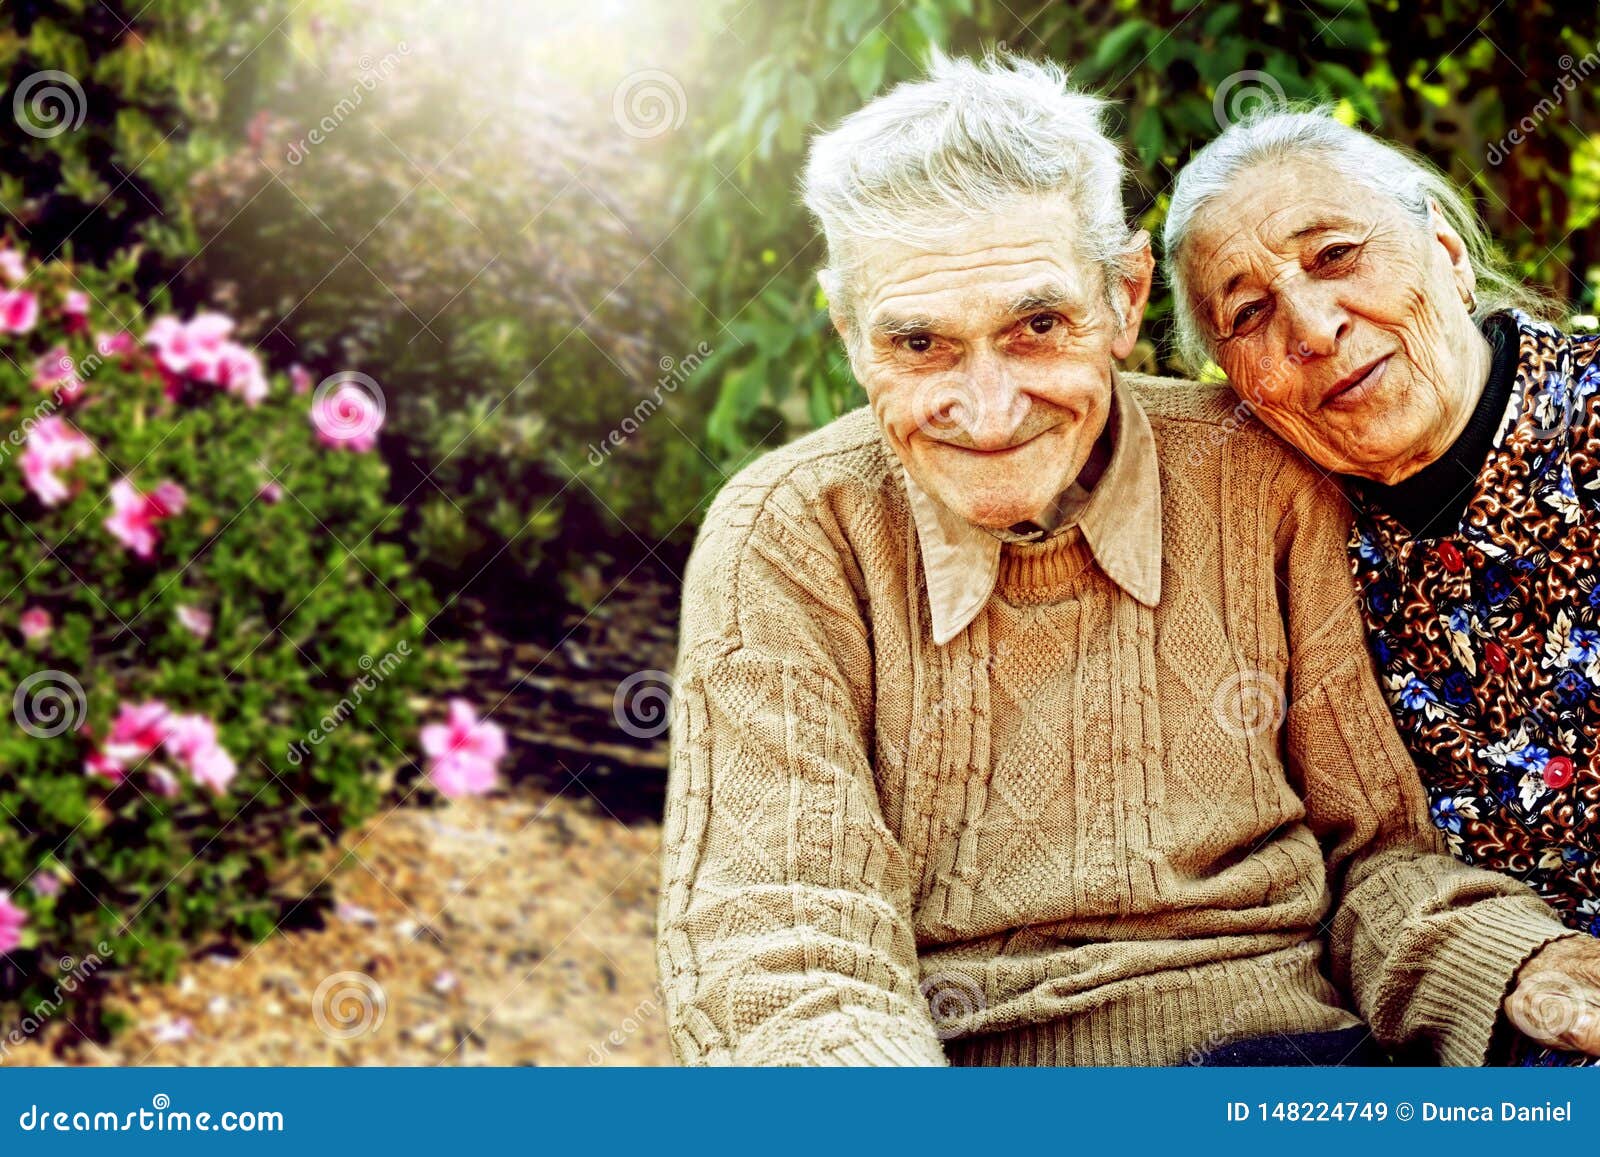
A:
284	640
112	106
497	280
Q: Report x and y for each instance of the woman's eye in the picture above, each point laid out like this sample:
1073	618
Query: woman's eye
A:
1334	253
1246	315
919	343
1042	323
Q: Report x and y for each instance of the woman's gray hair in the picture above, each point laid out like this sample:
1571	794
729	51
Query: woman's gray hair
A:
933	155
1396	172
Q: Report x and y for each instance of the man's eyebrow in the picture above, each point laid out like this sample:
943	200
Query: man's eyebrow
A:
1045	297
892	326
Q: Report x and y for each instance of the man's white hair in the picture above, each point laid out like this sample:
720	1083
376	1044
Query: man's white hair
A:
1407	179
931	156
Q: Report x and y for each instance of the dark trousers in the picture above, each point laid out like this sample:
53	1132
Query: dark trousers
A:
1345	1046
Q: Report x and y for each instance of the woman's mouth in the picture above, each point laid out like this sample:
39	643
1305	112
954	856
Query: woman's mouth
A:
1353	390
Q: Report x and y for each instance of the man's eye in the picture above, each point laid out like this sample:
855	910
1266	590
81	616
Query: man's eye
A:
919	343
1246	315
1042	323
1335	253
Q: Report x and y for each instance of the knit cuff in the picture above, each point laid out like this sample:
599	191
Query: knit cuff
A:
885	1052
1464	990
853	1037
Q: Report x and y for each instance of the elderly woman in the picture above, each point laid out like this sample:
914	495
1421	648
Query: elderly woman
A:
1354	302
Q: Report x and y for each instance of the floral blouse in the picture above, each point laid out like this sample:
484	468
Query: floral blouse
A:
1484	620
1486	630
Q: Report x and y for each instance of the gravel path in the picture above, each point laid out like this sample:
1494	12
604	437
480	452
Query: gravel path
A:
497	931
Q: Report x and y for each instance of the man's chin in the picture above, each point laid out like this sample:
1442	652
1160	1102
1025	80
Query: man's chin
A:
995	515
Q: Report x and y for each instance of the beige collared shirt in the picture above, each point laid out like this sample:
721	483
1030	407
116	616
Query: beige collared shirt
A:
1120	519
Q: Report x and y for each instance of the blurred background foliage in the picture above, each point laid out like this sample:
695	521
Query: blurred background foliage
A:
582	320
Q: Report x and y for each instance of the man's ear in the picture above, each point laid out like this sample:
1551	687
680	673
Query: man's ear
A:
837	314
1138	271
1455	248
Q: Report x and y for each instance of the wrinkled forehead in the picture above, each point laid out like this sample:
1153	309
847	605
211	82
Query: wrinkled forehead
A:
1268	213
1029	254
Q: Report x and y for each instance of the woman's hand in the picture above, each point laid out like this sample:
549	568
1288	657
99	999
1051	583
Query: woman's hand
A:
1557	997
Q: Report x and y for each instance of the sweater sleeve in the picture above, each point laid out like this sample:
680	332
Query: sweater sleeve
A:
785	931
1426	945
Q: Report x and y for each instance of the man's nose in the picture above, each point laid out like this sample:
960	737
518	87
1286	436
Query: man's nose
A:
993	404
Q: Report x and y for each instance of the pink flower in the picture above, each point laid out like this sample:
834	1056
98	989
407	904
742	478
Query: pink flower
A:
12	920
347	416
238	371
12	267
138	729
300	378
113	344
464	751
101	764
45	884
52	445
76	310
194	620
270	492
35	623
163	782
192	741
56	371
134	515
19	309
189	348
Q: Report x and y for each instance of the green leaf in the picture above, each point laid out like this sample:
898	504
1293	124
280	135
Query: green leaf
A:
866	63
1120	43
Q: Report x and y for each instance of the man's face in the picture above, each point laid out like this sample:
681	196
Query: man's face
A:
988	359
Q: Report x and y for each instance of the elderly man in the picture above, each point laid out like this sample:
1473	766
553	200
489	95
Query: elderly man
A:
1024	717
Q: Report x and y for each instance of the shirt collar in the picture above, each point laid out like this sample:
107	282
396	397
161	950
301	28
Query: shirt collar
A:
1120	521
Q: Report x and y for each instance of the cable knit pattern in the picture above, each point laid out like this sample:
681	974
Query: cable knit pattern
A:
1084	831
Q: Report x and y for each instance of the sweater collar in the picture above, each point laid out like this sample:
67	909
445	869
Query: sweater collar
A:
1120	520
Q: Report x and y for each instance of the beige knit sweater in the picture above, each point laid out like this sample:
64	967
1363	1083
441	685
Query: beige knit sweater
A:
1052	840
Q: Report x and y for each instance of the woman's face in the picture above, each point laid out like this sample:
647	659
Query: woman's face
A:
1338	316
